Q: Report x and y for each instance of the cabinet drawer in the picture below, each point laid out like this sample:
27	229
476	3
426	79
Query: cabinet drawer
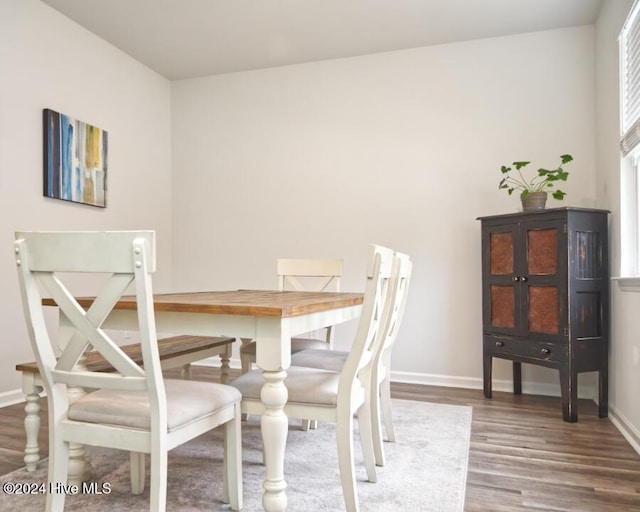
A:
526	349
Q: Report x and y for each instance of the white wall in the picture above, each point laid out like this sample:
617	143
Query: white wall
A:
47	61
624	377
321	159
402	149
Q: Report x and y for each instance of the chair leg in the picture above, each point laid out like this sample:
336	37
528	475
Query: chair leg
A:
309	424
232	476
344	433
158	480
366	440
137	463
376	427
385	397
58	471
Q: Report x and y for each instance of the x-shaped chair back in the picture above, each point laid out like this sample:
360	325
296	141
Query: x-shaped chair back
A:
129	257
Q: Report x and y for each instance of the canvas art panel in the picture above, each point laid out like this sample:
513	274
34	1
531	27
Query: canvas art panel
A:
75	160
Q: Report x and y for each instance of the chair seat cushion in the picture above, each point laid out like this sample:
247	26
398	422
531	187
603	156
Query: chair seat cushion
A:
305	385
332	360
297	345
187	401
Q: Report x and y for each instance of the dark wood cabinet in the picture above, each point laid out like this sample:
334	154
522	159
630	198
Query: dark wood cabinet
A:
545	297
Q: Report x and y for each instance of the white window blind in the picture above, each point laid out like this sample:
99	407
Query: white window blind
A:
630	74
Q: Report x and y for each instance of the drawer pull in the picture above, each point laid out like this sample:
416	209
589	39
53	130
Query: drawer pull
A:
546	351
515	278
499	343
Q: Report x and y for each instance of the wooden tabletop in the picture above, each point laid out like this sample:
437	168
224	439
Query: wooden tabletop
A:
242	302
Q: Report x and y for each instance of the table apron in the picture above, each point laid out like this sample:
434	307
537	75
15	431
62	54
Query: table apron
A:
312	321
195	324
240	326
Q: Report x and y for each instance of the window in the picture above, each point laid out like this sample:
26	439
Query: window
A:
630	142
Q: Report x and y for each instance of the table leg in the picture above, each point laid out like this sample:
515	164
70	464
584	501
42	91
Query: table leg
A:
31	420
273	356
78	468
274	424
225	359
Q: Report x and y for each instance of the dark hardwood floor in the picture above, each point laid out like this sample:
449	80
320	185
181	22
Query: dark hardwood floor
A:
523	457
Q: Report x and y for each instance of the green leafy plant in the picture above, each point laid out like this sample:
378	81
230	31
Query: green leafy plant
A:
541	182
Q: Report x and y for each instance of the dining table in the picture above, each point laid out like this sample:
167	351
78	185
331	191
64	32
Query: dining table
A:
271	318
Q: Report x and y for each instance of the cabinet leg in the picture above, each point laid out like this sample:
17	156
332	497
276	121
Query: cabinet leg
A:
487	361
517	378
603	391
569	392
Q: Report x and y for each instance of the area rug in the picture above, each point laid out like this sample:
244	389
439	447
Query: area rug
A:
425	470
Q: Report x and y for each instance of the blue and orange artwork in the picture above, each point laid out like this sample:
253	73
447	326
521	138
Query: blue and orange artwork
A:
75	160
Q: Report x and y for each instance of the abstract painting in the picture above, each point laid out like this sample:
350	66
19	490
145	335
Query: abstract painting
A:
75	160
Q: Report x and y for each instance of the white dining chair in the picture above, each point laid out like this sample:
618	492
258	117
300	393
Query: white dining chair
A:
301	274
132	408
335	397
335	360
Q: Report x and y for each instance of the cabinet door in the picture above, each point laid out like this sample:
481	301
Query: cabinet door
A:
501	303
543	279
525	279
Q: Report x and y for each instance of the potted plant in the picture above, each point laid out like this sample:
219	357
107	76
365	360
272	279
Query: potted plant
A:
533	192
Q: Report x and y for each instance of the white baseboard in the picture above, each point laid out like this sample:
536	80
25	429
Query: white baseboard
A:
529	388
532	388
630	433
7	398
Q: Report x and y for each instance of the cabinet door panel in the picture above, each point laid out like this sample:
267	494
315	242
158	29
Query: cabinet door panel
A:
501	253
503	303
542	251
543	309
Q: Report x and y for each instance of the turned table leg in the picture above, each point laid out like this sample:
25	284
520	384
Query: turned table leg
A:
31	420
225	367
78	467
274	424
274	357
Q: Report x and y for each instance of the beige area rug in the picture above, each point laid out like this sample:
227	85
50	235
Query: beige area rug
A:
425	471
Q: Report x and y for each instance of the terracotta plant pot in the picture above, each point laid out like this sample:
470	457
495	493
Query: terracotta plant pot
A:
534	201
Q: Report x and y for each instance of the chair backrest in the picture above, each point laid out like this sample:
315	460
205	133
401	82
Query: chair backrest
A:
322	274
313	275
399	290
374	310
44	261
